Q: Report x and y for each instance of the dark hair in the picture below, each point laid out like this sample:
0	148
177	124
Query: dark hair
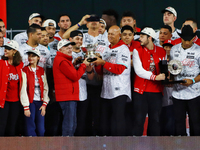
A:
127	27
61	15
75	33
1	20
43	29
32	28
193	20
111	12
128	14
167	27
16	58
151	37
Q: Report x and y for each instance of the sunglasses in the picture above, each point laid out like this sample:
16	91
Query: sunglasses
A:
8	48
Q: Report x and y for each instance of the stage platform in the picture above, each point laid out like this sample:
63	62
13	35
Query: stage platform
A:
100	143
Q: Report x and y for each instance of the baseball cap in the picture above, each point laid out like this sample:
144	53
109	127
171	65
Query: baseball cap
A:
35	51
102	21
76	33
64	42
170	9
33	15
47	23
148	31
93	18
11	45
187	33
168	42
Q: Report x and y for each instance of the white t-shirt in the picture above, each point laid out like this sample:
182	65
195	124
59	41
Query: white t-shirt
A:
53	49
82	80
115	85
45	58
37	91
21	38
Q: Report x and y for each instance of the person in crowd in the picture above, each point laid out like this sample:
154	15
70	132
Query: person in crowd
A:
3	30
64	23
85	123
116	89
186	96
148	90
1	44
66	84
10	87
128	18
193	23
164	34
34	95
169	18
34	18
167	120
111	17
34	36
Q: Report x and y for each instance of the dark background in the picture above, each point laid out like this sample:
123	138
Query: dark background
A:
148	12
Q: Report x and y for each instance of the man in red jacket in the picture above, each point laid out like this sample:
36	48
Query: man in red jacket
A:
66	84
147	88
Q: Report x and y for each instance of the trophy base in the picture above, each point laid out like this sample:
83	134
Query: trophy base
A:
173	82
91	59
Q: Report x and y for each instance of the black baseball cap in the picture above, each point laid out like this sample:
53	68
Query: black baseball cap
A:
93	18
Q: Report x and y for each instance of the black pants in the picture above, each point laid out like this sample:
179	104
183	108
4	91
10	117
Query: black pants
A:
192	107
113	116
143	104
88	113
8	118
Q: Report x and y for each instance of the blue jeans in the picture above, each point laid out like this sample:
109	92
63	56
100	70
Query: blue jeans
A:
69	117
34	125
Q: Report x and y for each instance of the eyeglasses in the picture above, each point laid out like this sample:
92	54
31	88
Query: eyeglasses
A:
69	48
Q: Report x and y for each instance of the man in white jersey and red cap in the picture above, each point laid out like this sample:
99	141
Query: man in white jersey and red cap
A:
147	88
186	96
35	18
116	89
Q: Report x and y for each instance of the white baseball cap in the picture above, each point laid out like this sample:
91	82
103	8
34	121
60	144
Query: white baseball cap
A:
12	44
33	15
148	31
35	51
170	9
48	21
64	42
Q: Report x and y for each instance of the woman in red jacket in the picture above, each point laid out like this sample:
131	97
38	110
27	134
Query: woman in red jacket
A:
10	86
34	95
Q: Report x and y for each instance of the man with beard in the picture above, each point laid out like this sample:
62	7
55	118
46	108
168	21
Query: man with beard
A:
34	18
147	90
64	24
34	36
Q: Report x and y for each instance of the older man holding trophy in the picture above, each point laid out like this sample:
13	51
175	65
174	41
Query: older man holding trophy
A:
186	95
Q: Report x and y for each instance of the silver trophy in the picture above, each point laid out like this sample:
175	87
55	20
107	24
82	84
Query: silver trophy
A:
174	67
89	50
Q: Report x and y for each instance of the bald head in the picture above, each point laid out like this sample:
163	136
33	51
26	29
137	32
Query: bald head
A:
114	34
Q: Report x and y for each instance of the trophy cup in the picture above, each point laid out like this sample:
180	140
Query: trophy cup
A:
174	67
90	52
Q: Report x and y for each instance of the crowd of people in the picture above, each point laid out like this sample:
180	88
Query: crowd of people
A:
104	82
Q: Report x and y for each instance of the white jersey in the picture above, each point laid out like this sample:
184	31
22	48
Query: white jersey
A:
190	60
82	80
5	40
45	58
53	49
57	37
21	38
174	35
100	39
115	85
